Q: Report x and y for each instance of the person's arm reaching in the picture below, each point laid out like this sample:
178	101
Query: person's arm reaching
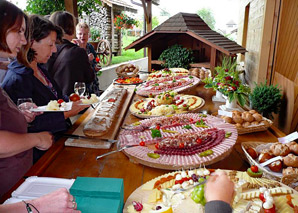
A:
55	202
219	192
13	143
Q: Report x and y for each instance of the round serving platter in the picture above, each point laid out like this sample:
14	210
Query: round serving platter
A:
146	89
117	83
133	109
173	162
144	193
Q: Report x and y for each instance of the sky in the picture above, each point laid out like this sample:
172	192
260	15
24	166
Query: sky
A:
223	10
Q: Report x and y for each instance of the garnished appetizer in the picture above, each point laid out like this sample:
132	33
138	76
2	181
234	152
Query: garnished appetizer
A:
129	80
254	172
267	200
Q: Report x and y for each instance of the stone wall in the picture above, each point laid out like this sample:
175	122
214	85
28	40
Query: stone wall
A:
254	36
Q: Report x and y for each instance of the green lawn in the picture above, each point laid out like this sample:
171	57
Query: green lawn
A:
127	55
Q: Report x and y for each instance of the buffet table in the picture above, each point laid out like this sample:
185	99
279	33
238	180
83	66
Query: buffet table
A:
69	162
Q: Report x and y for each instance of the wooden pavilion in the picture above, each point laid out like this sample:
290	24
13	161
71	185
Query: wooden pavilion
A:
190	31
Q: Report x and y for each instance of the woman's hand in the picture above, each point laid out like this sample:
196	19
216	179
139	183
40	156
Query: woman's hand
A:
79	43
25	109
44	140
219	187
76	108
90	56
58	201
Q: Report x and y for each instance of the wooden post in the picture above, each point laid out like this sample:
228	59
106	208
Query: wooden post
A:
112	30
147	6
212	59
72	7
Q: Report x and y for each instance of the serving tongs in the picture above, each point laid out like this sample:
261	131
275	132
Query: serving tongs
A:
118	150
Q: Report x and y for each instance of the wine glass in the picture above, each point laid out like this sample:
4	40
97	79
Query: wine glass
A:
23	103
80	88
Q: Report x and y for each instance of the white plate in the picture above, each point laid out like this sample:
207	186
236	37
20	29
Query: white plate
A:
83	104
35	187
44	108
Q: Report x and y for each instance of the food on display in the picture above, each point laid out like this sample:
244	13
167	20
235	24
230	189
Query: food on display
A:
74	97
90	99
179	191
178	141
56	106
127	70
284	167
168	72
128	80
175	83
165	103
252	152
201	73
247	120
104	113
254	171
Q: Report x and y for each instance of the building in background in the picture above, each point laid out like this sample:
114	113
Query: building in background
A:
268	30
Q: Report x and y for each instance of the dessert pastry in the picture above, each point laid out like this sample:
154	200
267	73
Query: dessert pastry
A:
276	166
279	149
252	152
293	147
291	160
264	156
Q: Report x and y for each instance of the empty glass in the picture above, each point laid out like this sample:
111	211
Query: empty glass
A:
25	103
79	88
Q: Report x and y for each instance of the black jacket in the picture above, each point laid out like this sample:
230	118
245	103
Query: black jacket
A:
73	66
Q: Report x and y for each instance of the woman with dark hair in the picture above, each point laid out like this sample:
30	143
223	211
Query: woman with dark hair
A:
15	144
70	64
34	81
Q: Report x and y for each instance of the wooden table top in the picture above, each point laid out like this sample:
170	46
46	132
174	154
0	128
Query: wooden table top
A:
69	162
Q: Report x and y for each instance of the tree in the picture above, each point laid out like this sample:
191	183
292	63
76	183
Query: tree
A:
155	22
46	7
207	15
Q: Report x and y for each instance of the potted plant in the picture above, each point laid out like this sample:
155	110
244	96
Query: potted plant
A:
176	56
266	99
124	21
95	36
226	80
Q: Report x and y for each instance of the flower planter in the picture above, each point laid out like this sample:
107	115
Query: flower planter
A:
218	97
231	105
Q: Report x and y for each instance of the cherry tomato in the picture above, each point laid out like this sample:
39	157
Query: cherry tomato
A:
272	210
111	100
97	59
261	196
142	143
156	145
254	168
181	145
60	101
199	140
157	127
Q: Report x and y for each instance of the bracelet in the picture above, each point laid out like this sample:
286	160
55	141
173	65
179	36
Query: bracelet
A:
29	210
